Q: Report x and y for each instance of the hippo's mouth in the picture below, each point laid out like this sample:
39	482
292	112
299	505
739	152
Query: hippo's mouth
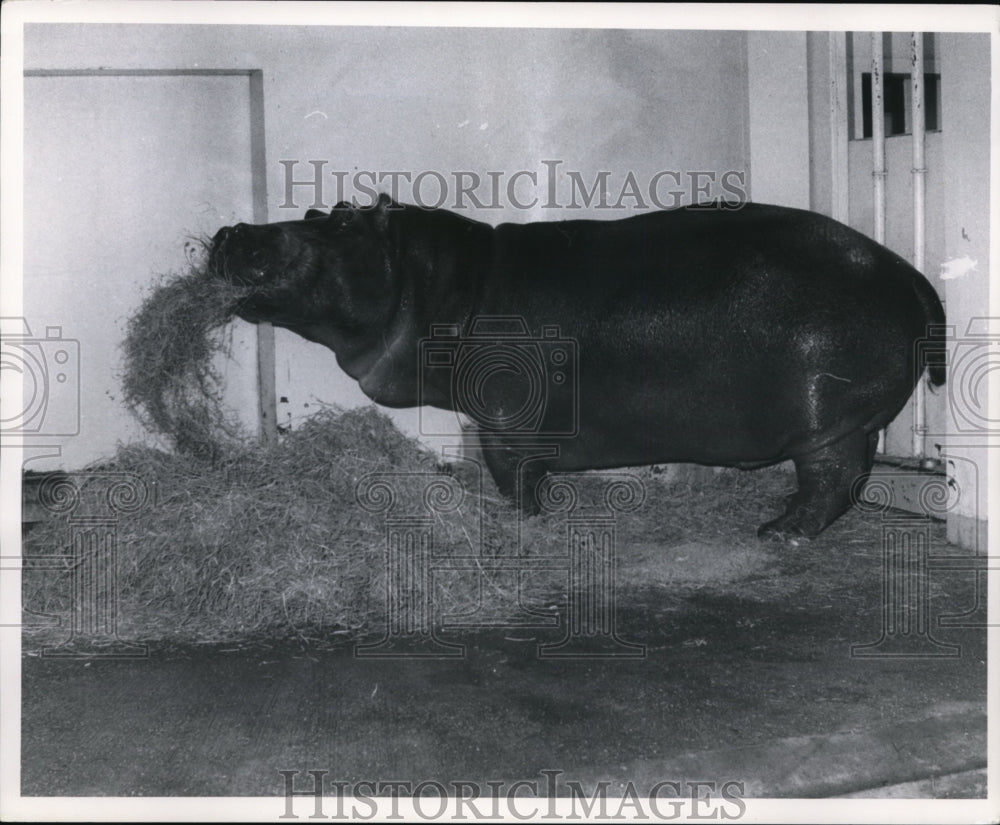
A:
244	268
243	256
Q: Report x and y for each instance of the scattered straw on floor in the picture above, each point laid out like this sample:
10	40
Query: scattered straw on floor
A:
273	541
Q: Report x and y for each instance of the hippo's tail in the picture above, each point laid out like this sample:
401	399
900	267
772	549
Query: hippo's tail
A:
932	348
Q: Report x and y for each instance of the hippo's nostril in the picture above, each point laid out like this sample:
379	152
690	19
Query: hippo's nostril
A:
229	233
220	251
221	238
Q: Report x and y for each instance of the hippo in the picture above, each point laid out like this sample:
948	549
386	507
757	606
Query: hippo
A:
719	336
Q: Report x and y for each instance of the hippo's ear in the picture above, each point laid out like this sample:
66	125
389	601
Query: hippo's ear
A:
383	207
314	213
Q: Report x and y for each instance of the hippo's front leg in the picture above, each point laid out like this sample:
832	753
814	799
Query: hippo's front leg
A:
517	471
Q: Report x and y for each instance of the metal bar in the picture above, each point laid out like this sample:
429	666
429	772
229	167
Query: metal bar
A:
744	47
139	72
267	401
918	129
878	158
919	223
838	126
878	138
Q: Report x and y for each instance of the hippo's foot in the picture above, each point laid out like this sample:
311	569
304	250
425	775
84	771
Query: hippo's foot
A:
796	522
826	478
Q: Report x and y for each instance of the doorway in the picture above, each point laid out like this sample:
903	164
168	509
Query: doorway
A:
125	171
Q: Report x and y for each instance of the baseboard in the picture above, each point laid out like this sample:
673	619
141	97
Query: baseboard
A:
968	532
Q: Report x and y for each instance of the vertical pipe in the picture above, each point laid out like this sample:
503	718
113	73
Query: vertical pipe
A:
838	125
745	114
878	138
917	108
267	406
919	173
878	157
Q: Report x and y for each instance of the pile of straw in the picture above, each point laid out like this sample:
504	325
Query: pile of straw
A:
272	540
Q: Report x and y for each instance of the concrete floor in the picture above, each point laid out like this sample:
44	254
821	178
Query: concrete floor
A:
750	682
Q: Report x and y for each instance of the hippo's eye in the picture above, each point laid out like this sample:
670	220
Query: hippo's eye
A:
345	219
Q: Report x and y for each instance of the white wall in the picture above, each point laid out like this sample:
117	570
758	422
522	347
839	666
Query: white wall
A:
778	107
114	194
966	98
482	100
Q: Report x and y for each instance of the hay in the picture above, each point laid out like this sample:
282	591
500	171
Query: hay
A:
272	540
169	380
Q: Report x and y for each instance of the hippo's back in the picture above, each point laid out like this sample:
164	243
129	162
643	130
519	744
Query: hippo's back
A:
721	335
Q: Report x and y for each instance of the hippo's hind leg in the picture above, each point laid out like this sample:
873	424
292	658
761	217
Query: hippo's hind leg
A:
825	479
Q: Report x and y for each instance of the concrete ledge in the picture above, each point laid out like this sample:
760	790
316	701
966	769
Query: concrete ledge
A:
947	741
968	532
965	785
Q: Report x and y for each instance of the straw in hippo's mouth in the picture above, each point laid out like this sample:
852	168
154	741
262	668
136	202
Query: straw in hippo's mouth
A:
168	379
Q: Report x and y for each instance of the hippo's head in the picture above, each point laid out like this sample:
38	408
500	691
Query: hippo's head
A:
326	277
